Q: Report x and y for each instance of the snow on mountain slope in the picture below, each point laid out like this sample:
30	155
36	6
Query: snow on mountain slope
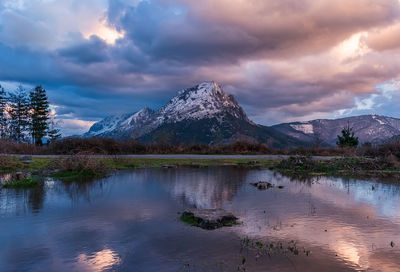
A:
202	101
378	119
136	119
304	127
119	123
106	125
206	100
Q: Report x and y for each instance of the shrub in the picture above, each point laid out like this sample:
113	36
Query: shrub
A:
347	139
79	165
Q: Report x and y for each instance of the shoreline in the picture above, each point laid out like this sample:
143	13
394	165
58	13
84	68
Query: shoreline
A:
80	168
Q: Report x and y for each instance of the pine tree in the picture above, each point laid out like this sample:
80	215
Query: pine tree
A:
19	115
347	138
39	105
3	116
53	132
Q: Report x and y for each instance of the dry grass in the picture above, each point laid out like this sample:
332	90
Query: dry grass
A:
300	164
79	165
10	163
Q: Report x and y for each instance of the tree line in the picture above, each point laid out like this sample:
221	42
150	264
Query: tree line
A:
25	116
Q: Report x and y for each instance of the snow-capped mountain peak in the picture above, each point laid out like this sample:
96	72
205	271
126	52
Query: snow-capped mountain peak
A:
204	100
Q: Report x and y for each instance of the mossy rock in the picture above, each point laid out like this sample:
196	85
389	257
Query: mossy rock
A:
209	219
262	185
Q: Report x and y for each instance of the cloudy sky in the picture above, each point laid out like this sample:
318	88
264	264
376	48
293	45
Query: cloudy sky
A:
283	60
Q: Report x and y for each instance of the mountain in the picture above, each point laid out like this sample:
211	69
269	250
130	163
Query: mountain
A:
116	126
368	128
201	114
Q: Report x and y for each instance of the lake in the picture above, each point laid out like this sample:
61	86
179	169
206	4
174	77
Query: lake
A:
130	222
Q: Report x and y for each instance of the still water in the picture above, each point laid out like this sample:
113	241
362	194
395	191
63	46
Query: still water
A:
130	222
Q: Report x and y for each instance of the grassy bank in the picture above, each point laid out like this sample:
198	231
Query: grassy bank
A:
21	184
132	163
120	164
78	167
306	166
83	166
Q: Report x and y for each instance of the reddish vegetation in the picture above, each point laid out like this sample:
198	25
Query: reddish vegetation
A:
103	146
106	146
10	147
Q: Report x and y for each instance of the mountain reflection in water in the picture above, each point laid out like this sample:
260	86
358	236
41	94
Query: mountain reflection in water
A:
129	222
209	189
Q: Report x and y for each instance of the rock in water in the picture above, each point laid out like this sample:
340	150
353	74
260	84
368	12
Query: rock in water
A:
169	166
209	219
262	185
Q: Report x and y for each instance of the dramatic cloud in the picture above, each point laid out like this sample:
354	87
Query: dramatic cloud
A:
284	60
87	52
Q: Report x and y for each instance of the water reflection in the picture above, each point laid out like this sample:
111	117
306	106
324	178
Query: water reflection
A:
36	197
207	189
128	222
348	217
98	261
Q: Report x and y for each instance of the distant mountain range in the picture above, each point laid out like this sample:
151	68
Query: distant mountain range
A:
368	128
205	114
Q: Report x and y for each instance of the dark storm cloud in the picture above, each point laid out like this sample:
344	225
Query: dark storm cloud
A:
87	52
171	33
18	63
